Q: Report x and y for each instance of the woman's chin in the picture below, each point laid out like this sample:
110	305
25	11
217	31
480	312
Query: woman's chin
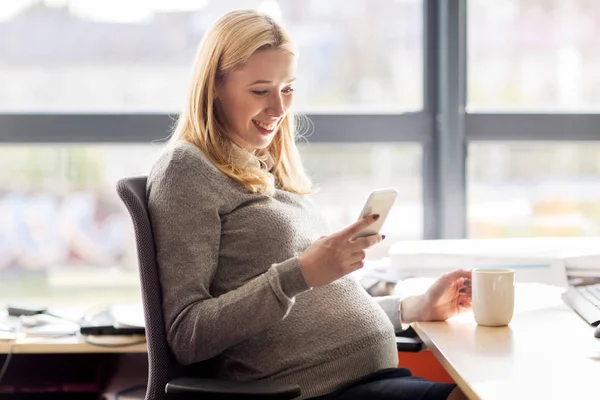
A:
263	143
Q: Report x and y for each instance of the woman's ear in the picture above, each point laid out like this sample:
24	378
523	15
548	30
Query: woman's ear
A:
218	88
217	107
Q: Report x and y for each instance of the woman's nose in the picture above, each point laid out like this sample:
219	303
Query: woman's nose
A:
276	106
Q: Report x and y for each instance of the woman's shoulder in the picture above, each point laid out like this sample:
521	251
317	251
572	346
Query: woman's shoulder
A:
182	167
183	159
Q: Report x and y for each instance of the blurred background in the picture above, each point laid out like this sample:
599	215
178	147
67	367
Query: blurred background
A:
483	114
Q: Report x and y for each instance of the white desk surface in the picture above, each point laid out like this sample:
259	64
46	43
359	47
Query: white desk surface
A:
73	344
547	351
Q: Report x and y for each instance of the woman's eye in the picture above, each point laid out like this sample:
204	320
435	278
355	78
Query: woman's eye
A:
288	90
259	92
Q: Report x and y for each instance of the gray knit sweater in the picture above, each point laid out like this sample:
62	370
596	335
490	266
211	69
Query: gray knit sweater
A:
233	289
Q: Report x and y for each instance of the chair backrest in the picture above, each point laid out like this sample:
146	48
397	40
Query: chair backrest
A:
162	366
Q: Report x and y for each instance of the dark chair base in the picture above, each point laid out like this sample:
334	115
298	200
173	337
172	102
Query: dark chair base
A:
198	388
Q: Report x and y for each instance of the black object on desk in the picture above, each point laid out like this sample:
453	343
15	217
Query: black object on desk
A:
585	301
104	323
24	309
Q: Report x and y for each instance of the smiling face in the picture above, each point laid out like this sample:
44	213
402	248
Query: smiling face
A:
254	99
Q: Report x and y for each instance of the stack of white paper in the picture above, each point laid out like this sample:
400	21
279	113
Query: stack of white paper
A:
128	315
582	257
542	260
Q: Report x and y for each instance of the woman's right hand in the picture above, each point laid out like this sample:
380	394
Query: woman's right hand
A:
332	257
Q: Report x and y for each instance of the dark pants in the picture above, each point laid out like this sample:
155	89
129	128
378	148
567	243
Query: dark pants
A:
392	383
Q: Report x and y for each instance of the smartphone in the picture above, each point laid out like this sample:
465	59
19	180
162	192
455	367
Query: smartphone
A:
379	202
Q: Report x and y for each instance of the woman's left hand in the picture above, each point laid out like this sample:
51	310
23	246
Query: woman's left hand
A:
448	296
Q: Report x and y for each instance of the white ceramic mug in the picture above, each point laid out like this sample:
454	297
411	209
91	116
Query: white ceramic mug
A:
493	296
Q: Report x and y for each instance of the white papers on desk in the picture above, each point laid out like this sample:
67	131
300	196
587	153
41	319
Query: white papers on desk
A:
129	315
542	260
529	296
40	325
582	257
47	326
7	335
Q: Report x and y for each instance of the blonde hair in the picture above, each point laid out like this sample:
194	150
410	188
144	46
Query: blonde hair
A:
226	46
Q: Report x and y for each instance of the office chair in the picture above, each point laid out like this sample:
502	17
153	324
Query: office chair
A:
166	377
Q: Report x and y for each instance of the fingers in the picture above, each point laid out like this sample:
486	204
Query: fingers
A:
464	297
465	294
464	307
357	227
357	265
456	275
365	242
358	256
464	301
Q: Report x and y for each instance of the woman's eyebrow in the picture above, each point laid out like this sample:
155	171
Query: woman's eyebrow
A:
262	81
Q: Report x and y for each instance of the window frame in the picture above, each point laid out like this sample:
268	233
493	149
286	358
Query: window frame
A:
443	127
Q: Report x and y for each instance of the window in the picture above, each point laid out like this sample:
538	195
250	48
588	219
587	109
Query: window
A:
529	55
63	228
533	189
133	56
345	174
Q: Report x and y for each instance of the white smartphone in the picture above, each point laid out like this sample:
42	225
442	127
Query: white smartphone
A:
379	202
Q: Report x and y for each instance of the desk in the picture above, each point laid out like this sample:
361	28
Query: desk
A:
547	351
71	345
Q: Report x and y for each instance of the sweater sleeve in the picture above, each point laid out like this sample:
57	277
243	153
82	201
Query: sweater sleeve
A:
184	209
391	306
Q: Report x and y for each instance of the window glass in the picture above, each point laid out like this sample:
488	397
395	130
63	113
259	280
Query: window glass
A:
135	56
345	174
533	189
66	238
64	234
527	55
